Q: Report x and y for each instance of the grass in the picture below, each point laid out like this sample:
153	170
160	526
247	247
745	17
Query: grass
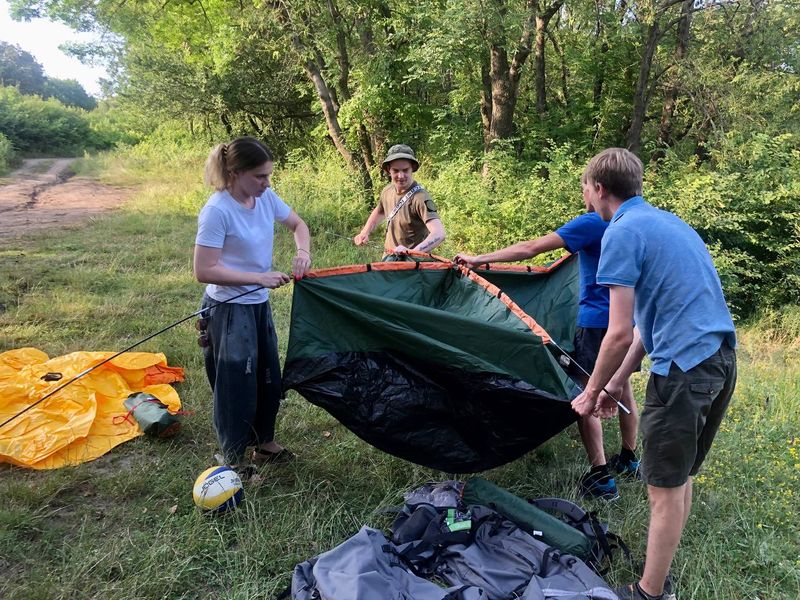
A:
124	526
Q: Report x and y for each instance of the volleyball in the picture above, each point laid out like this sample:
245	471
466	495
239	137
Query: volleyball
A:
218	490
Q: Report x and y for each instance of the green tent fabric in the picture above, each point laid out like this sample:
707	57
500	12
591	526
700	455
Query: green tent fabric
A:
549	296
431	362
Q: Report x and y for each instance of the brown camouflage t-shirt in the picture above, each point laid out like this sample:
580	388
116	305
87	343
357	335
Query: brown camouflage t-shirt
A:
408	225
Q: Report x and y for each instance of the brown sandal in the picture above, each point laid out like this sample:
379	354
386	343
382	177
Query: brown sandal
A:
263	457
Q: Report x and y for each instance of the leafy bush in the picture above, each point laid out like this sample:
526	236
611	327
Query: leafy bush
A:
37	126
516	201
322	191
744	204
6	154
112	126
41	126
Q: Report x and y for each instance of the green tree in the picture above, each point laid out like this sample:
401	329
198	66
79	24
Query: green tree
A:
19	68
69	92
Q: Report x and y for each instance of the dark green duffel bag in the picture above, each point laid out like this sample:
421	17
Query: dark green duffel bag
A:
540	524
152	415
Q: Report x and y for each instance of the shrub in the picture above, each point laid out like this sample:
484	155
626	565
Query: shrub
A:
6	154
743	203
516	201
41	126
324	193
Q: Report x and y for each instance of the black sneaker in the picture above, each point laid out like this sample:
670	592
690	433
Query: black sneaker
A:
599	484
624	468
668	593
632	591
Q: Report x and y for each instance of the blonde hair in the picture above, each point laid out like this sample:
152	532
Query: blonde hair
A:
618	170
241	154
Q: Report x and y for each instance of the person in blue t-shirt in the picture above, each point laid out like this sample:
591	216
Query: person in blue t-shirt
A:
583	235
659	271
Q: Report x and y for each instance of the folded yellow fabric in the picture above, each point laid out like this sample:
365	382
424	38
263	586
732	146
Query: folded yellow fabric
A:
76	424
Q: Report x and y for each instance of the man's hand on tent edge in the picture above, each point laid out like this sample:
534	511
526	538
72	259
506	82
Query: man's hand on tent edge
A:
606	406
468	260
584	403
600	405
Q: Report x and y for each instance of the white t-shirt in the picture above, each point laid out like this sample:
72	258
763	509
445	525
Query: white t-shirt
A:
245	237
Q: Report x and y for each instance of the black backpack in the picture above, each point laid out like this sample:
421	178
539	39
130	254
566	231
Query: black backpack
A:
604	544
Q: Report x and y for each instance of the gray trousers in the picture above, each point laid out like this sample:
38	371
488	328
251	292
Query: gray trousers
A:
244	371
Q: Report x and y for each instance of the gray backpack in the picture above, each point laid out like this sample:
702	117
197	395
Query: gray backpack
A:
365	567
493	555
478	553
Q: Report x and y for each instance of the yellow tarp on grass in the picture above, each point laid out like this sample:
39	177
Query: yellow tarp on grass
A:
78	423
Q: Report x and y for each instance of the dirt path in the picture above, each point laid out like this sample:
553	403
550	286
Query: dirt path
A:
45	193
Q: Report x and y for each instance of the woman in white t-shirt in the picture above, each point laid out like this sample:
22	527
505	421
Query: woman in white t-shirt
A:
233	255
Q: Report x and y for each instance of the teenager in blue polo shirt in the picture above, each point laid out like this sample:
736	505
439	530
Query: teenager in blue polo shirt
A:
583	235
659	271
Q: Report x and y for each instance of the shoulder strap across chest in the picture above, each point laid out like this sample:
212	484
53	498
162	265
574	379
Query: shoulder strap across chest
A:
402	202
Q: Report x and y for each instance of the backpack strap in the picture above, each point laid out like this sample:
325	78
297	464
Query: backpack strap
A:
561	506
551	554
614	542
604	543
457	594
402	202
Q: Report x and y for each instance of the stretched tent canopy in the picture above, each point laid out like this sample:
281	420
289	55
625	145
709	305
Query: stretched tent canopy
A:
443	366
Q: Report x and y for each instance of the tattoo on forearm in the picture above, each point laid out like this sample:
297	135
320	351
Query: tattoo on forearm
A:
429	244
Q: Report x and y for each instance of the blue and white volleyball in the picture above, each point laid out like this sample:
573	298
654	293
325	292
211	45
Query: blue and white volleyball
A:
218	490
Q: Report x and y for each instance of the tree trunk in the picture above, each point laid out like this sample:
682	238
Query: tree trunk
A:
255	126
356	161
640	96
226	123
504	95
312	60
538	60
504	76
599	76
542	21
671	93
486	103
564	68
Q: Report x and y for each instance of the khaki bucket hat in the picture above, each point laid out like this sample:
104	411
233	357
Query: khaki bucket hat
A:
399	151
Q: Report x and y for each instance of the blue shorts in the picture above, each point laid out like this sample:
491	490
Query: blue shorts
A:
587	343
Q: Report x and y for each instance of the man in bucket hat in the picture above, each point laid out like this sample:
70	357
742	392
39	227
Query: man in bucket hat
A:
412	220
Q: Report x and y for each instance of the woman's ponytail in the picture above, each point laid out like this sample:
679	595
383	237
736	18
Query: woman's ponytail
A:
216	167
242	154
